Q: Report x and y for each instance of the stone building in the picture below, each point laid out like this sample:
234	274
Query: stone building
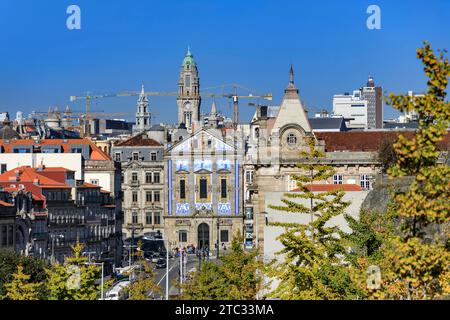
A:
62	211
276	137
203	179
143	188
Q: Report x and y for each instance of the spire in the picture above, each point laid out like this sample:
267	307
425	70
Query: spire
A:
188	53
291	91
291	75
213	107
142	90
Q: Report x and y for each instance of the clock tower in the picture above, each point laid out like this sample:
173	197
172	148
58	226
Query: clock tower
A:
188	98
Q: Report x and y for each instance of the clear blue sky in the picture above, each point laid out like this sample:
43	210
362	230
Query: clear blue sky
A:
128	42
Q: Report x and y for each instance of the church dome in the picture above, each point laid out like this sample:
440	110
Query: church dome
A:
188	59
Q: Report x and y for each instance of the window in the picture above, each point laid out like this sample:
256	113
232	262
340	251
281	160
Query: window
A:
249	176
182	236
134	197
291	139
156	196
94	181
77	150
134	217
223	188
182	189
148	177
134	176
135	156
157	216
337	179
148	196
365	181
122	178
148	218
4	234
117	156
188	80
3	168
203	189
223	235
22	150
155	177
153	156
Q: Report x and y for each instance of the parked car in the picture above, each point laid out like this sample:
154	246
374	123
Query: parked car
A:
117	292
161	263
155	257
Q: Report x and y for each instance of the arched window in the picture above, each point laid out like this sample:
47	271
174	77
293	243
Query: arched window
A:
256	133
291	139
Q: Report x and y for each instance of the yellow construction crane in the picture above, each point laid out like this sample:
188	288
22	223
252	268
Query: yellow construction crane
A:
233	96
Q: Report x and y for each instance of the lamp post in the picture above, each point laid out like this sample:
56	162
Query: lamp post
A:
218	244
101	280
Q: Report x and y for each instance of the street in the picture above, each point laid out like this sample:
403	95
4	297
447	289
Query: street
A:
174	265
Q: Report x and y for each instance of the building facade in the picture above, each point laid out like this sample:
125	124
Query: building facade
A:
143	188
203	179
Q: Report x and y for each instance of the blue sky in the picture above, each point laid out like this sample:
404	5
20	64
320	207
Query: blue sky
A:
123	44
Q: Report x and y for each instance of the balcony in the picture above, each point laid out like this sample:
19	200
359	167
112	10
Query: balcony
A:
134	183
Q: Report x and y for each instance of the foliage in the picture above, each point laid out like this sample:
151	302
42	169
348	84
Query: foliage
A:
143	286
311	260
237	277
386	153
21	288
75	279
418	267
34	267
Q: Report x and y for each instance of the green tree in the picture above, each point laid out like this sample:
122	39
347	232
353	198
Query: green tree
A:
143	285
417	261
311	264
75	279
238	276
21	288
32	266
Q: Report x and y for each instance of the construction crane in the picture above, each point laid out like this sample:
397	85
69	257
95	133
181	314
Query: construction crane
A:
236	98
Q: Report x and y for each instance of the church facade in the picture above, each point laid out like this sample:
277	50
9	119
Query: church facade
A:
204	194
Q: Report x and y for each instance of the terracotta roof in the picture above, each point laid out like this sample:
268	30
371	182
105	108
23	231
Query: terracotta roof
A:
34	179
138	141
332	187
95	152
368	141
89	185
6	204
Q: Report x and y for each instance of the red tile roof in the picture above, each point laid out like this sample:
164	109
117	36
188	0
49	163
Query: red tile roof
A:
95	152
331	187
138	141
368	141
34	179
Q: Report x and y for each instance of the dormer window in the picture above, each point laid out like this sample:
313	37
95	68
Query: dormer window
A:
135	156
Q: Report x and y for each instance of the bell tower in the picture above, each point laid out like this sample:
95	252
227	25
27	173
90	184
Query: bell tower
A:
188	98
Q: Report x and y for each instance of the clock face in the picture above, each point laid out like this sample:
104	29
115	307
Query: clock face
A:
187	105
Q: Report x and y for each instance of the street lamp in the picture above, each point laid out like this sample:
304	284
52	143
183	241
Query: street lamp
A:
218	244
101	281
